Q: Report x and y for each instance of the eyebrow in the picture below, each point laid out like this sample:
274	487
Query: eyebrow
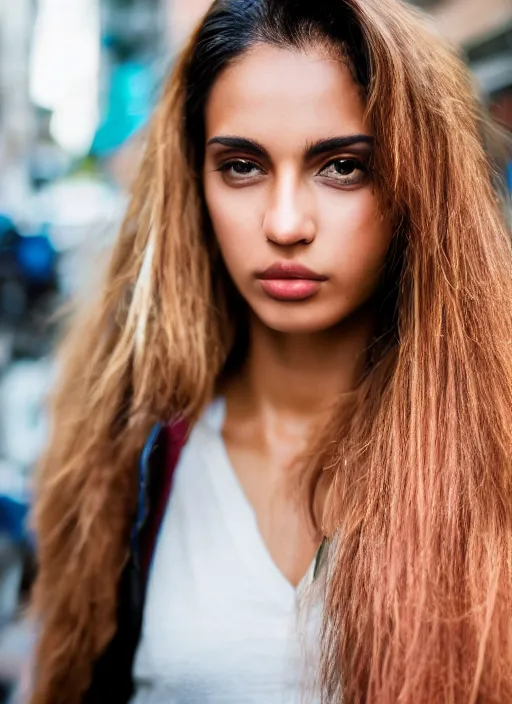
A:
244	145
324	146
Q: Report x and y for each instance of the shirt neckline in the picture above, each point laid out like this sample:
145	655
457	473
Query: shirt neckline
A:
240	513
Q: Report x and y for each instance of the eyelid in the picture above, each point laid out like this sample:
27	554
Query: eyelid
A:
346	157
228	156
360	163
225	168
229	161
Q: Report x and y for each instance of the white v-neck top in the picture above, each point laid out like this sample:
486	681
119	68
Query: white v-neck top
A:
221	622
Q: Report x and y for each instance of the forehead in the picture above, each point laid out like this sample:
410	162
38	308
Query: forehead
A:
286	97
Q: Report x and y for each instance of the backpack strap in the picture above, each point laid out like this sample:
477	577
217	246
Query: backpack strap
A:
159	485
111	681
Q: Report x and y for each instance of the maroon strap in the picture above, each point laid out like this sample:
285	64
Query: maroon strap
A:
175	439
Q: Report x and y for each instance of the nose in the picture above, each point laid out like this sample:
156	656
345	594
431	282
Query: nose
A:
289	218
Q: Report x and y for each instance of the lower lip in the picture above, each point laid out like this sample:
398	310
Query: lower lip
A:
290	289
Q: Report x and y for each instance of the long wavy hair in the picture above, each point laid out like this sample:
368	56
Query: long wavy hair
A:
418	603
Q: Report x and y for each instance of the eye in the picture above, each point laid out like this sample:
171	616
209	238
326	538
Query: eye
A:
345	172
240	169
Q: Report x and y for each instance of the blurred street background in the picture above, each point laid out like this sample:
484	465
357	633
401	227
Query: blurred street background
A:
78	80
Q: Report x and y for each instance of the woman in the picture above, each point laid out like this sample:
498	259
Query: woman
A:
311	297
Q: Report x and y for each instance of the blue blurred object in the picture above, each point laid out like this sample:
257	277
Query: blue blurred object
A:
36	258
6	226
509	177
130	101
13	515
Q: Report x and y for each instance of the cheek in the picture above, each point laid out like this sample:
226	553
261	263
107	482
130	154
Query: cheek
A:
235	222
359	237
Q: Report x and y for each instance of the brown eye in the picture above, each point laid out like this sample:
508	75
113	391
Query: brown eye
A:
345	167
345	171
240	168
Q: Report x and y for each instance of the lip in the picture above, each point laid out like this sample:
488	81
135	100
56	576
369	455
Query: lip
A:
289	270
289	281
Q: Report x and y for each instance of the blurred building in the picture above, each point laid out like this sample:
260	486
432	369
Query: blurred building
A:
16	116
133	44
181	16
483	29
464	21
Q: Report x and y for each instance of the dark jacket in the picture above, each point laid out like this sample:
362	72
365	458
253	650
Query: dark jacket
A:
112	676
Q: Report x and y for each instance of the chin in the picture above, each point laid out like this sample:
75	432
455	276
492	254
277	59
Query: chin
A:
299	318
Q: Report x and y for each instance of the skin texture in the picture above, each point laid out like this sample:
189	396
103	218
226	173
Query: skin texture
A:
286	205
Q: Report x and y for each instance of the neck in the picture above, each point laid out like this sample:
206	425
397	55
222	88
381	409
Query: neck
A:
304	374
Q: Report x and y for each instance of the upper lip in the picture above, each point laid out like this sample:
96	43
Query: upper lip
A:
290	270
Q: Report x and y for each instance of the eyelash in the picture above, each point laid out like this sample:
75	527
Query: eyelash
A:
348	181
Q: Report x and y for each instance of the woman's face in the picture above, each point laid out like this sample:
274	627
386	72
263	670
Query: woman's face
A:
289	190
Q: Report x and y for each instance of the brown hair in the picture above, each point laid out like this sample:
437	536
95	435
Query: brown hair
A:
418	606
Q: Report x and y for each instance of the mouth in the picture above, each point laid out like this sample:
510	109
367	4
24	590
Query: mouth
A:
289	270
289	281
